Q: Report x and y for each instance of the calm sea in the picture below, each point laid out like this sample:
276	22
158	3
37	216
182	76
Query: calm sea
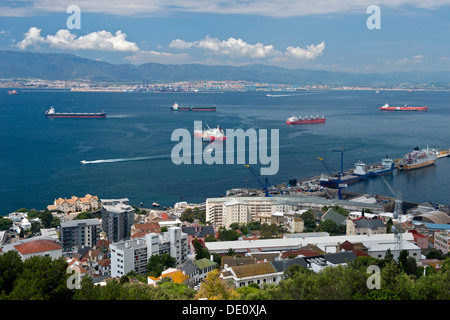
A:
40	157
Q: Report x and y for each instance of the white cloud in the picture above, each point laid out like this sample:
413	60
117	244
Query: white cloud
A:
310	53
416	59
144	56
279	8
63	39
239	48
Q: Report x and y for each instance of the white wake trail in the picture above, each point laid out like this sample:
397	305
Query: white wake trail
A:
121	159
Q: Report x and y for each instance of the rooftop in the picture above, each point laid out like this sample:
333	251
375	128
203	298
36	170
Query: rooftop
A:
37	246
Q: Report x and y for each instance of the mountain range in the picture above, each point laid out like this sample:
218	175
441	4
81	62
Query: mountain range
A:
57	66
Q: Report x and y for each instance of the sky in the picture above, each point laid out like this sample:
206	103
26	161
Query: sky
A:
333	35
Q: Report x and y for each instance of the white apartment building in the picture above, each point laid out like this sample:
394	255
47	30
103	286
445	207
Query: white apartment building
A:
222	212
128	255
442	241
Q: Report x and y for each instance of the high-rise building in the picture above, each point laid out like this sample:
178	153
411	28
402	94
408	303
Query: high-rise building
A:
78	233
117	218
133	254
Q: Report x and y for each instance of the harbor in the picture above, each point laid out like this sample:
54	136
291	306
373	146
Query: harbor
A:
314	185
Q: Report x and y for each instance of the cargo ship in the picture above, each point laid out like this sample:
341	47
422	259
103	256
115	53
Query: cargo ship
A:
417	159
176	107
50	113
387	107
215	134
387	166
305	120
333	181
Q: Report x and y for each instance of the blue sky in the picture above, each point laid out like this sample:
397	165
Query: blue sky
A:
313	34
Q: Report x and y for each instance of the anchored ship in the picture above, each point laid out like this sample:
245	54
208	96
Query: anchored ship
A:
300	120
215	134
50	113
176	107
387	107
417	159
333	181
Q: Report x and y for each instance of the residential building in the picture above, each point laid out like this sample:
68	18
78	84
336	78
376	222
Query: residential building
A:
141	229
78	233
334	216
39	247
199	232
76	204
420	239
117	218
363	225
192	271
133	254
442	241
175	275
316	263
258	273
224	211
204	266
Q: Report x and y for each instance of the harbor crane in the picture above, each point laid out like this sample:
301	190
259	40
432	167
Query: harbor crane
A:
398	210
266	185
341	172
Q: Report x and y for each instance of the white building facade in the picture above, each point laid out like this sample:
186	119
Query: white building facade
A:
133	255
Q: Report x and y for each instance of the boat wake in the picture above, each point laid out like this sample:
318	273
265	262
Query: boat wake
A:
122	159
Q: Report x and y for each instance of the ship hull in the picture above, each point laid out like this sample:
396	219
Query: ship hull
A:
404	109
84	116
416	165
193	109
334	183
305	121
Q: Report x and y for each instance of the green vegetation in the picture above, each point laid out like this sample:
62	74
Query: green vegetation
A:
41	278
5	224
191	214
157	264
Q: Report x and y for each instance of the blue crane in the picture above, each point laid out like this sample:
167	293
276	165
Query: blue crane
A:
266	185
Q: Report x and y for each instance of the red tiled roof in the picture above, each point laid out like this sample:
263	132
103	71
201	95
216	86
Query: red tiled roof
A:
347	245
37	246
165	216
359	253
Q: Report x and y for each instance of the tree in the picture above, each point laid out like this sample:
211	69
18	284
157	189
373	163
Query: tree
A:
42	278
214	288
5	224
268	231
329	226
228	235
157	264
11	267
200	251
309	220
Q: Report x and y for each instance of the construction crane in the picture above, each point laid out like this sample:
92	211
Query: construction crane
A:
341	172
325	165
398	209
266	185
